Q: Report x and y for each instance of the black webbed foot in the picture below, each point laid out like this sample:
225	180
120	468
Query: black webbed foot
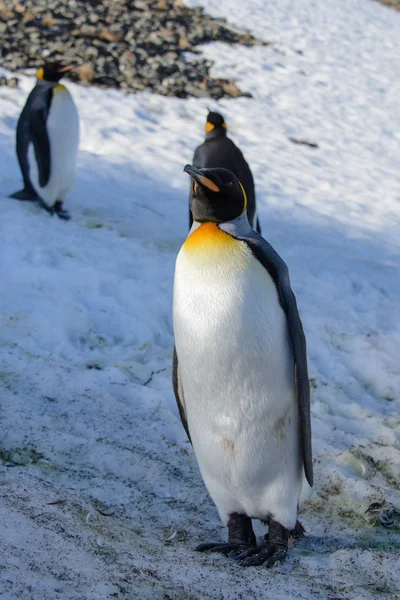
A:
273	550
266	555
298	532
26	195
224	548
61	212
48	209
241	537
64	215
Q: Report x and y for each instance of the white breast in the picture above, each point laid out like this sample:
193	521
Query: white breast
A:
237	373
63	132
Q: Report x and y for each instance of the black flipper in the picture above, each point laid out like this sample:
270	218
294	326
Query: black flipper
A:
37	106
178	391
41	146
278	270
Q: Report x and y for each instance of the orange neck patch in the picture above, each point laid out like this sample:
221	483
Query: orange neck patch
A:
209	238
210	248
60	88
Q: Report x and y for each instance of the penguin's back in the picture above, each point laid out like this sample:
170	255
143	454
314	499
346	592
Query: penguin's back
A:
62	127
237	372
222	152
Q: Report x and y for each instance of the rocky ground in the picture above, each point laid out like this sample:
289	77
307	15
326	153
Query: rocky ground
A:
129	44
392	3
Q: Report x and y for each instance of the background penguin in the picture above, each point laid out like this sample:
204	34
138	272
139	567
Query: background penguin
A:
219	151
240	371
47	141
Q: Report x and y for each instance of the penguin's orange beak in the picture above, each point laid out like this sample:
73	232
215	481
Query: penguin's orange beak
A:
67	68
198	176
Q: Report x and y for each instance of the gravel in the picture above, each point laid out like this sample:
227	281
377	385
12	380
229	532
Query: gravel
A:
130	44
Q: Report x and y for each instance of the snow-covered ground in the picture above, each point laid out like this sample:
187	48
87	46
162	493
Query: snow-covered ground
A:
100	495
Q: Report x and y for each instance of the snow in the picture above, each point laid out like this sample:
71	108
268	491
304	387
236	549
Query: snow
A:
100	494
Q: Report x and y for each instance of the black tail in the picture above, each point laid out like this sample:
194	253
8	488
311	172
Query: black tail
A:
26	194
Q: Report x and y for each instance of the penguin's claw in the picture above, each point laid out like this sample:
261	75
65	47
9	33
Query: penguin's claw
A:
266	556
224	548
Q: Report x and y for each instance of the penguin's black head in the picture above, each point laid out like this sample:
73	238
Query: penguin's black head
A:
216	195
53	72
215	121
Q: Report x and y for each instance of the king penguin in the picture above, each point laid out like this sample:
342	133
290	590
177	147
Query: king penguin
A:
47	141
218	150
240	371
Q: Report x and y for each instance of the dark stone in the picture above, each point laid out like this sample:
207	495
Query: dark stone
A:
129	44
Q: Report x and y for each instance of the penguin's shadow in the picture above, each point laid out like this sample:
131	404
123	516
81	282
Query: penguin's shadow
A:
123	198
10	123
130	200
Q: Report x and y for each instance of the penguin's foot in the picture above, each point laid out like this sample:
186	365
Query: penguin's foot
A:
266	555
61	212
273	550
241	537
298	532
222	547
64	215
25	195
49	209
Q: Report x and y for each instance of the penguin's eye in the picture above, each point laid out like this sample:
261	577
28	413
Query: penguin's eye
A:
229	184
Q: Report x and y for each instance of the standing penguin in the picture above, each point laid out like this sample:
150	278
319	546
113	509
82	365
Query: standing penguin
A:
47	141
240	371
219	151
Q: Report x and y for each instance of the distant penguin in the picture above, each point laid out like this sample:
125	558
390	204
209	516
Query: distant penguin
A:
47	141
240	371
219	151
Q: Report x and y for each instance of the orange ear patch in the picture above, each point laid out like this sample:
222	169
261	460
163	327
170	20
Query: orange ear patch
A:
208	183
40	73
209	127
65	69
